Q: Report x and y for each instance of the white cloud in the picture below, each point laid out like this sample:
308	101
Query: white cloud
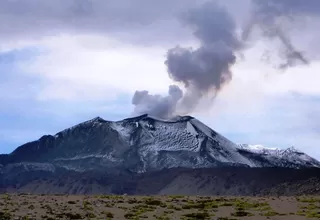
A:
92	67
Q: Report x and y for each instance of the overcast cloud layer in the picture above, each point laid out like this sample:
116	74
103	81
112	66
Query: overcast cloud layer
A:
139	22
75	59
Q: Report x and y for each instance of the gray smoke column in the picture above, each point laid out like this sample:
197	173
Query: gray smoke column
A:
202	71
157	105
275	18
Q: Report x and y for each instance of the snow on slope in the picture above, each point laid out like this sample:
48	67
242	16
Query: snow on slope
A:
291	154
186	142
176	142
146	143
189	134
260	149
231	154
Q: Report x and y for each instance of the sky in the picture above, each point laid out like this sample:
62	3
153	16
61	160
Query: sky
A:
63	62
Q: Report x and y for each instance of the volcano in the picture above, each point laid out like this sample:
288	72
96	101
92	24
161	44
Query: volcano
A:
142	145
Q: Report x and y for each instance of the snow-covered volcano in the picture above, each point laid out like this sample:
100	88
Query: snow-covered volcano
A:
145	143
289	155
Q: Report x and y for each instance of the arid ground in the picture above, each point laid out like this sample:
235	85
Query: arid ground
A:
24	206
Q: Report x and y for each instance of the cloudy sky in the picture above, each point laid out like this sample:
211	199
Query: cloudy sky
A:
67	61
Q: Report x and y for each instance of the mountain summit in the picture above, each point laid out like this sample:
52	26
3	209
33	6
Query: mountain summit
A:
146	155
145	143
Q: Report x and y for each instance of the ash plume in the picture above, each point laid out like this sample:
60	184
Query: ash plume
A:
275	18
157	105
202	71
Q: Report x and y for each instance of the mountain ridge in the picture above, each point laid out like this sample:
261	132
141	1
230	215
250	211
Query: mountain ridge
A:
144	155
180	139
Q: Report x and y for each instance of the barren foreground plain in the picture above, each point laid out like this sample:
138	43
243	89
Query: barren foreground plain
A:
28	206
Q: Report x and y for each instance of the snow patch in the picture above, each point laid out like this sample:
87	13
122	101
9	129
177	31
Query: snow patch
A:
100	156
202	127
123	131
191	129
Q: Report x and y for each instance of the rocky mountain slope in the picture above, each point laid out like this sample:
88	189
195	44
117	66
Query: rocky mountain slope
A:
122	150
234	181
144	144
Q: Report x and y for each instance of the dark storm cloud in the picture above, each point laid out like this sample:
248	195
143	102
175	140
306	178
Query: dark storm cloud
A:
139	20
277	8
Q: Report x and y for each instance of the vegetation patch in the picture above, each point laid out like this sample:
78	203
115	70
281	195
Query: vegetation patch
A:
52	207
199	215
310	209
